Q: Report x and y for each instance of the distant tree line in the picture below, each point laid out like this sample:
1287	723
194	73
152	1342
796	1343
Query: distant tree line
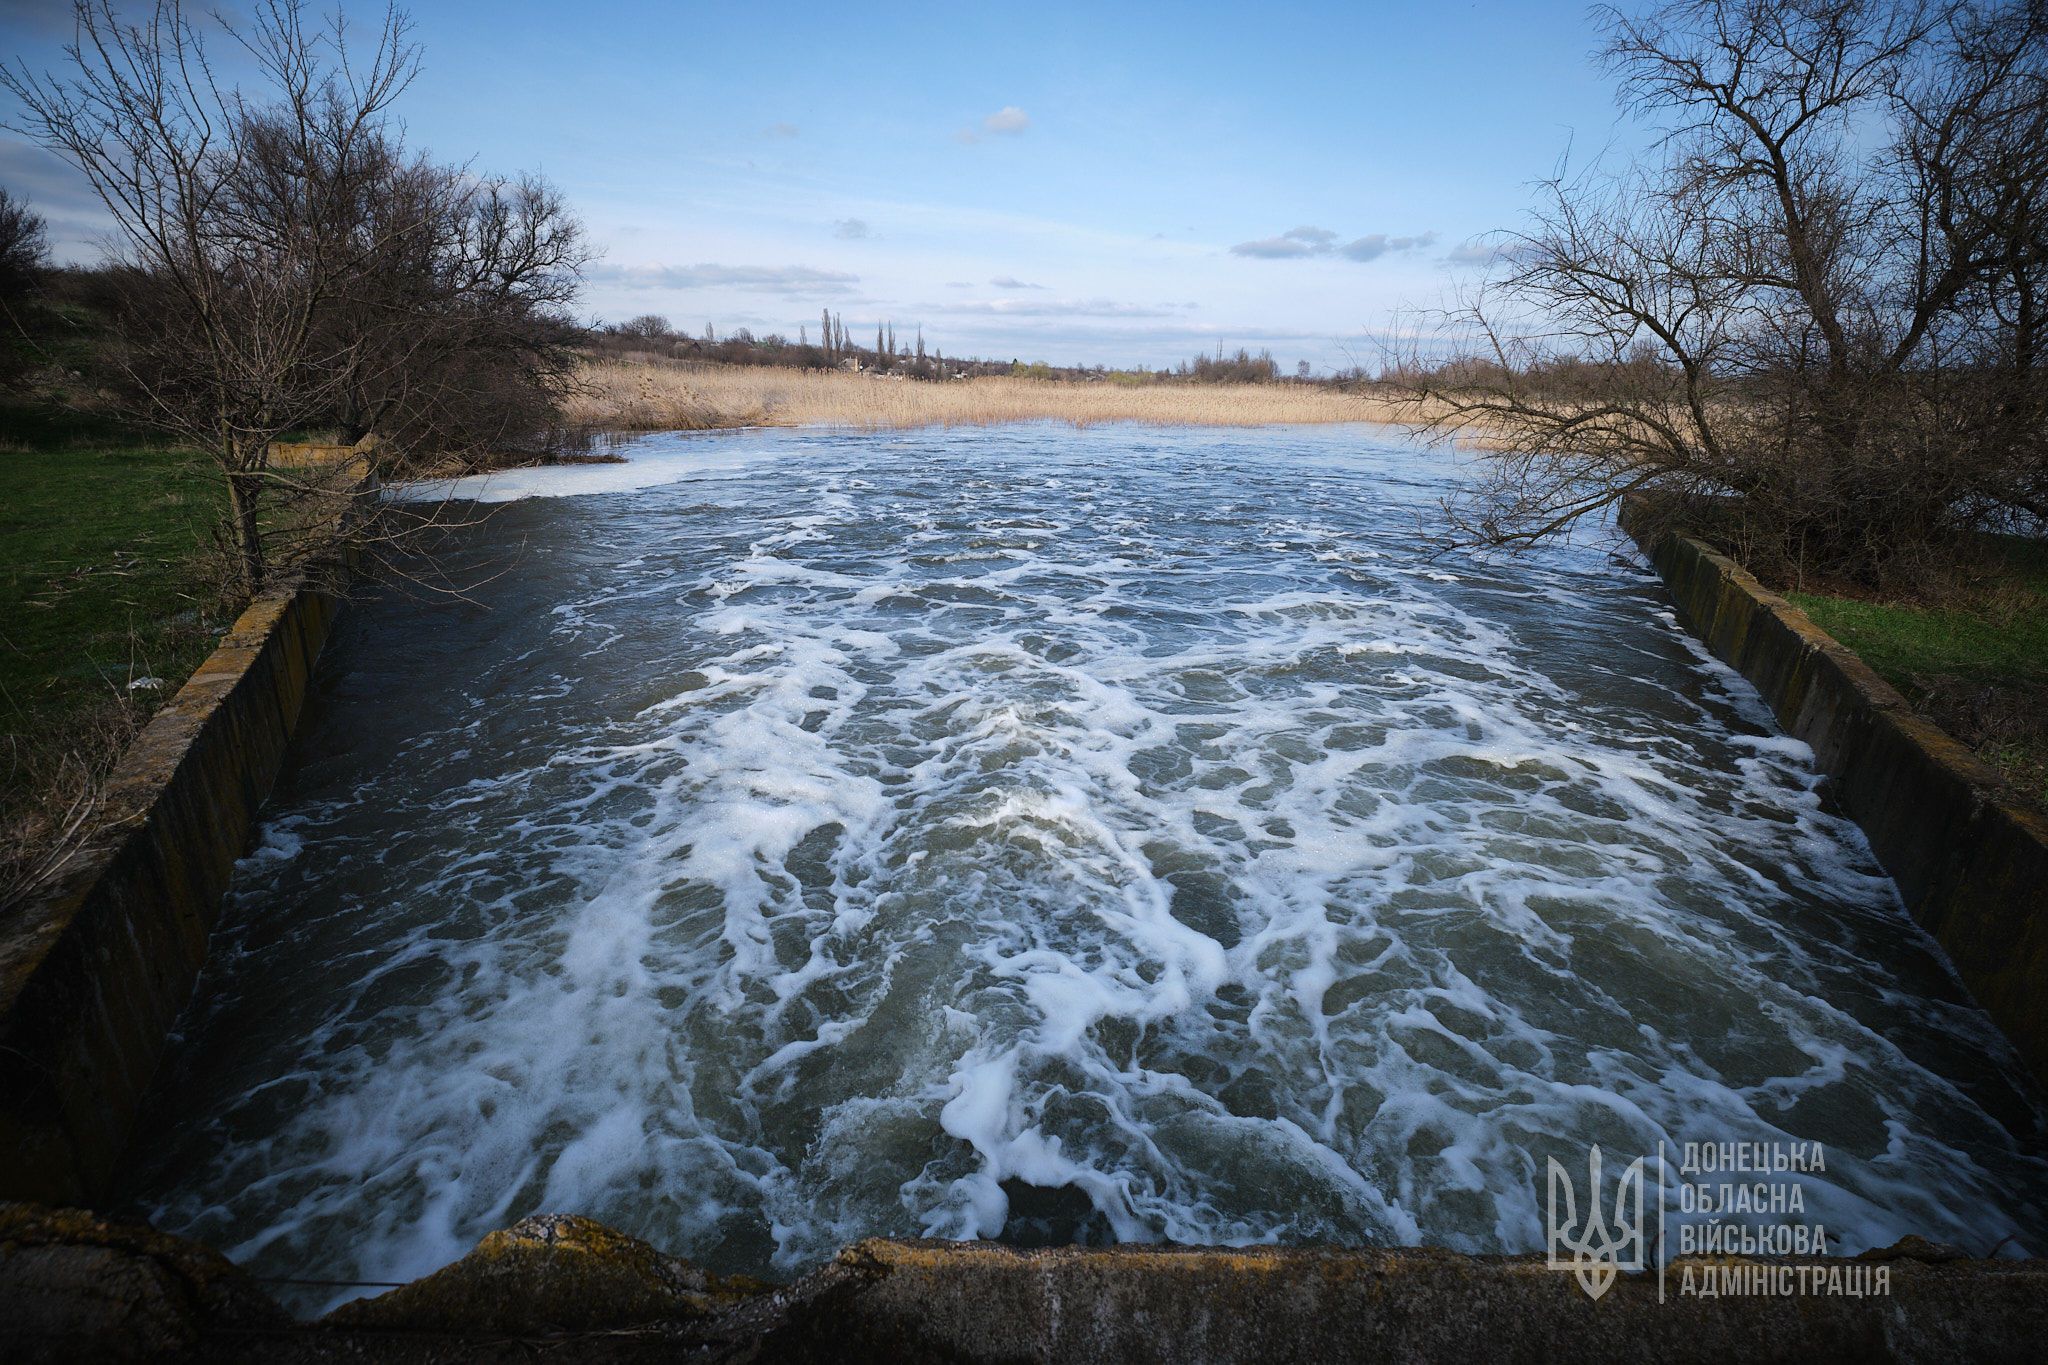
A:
1242	368
654	336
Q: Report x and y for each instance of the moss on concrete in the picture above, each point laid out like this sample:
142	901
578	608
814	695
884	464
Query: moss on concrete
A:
551	1273
929	1301
559	1287
76	1287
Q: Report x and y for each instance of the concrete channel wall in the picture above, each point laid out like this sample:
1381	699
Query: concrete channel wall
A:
556	1287
95	967
1970	862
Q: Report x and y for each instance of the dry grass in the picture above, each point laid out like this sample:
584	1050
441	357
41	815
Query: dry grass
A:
660	397
50	796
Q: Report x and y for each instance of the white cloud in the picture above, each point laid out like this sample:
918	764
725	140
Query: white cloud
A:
46	178
851	229
796	281
1378	244
781	130
1134	341
1004	122
1285	246
60	195
1008	119
1482	251
1054	308
1012	282
1296	243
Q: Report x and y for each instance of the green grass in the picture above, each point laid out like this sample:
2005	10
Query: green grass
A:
100	567
1900	642
1978	666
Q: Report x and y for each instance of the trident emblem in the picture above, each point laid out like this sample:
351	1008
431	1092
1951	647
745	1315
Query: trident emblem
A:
1596	1250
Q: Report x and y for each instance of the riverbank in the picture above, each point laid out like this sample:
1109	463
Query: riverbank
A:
106	606
1970	861
1975	661
101	954
113	590
657	395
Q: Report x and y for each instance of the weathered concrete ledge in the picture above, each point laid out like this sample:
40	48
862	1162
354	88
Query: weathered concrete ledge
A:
1970	863
95	967
569	1288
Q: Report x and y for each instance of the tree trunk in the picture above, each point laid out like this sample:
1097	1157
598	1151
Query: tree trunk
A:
243	493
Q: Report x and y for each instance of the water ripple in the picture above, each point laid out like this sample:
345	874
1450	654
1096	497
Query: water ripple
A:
849	838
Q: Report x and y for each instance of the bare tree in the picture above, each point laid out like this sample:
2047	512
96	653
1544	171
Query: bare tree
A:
231	215
652	326
1821	295
456	333
23	250
23	246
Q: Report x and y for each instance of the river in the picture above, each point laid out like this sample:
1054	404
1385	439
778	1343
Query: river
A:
1120	834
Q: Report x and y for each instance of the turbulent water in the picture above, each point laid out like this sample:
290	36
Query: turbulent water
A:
1124	834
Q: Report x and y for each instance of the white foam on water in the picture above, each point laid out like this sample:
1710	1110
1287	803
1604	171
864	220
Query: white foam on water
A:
904	824
643	462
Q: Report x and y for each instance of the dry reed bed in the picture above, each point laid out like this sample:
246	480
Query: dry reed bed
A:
630	397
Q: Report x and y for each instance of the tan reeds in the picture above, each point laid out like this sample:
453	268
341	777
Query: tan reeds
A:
647	397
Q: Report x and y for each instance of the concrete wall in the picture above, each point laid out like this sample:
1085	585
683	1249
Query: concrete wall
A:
1971	864
557	1287
94	969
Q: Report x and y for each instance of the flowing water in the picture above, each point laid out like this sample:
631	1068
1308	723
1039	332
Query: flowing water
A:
1122	834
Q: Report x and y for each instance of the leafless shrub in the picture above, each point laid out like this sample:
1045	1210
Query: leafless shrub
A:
226	255
280	264
52	793
457	329
23	246
53	775
23	249
1242	368
1821	297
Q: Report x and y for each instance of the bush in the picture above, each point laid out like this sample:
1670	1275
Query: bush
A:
1819	298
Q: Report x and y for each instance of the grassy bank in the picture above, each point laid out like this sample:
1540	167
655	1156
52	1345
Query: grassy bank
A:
666	395
102	585
1977	663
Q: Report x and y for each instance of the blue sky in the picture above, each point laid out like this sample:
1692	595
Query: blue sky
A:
1070	183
